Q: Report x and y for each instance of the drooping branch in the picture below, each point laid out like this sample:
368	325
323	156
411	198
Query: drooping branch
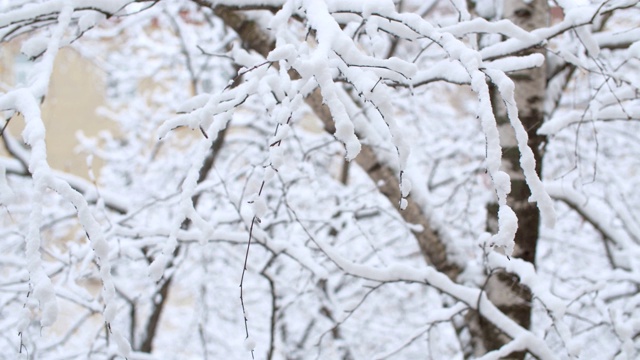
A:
521	338
19	21
521	108
592	211
429	241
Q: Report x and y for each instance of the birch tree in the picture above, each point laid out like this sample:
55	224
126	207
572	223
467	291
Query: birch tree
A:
306	178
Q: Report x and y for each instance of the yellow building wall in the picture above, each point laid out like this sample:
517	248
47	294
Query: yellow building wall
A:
76	91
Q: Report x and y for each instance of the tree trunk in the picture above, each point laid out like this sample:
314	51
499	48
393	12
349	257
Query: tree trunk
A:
429	241
504	289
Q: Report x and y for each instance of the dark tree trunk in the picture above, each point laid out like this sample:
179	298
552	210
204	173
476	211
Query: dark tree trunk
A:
504	289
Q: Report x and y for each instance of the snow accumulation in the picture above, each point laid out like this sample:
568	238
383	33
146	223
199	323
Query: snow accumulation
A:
154	247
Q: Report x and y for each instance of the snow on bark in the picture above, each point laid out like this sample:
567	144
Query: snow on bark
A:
513	63
507	221
597	212
24	14
527	160
335	47
185	210
27	101
480	25
472	297
330	38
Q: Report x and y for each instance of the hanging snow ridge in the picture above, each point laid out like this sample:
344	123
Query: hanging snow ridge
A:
284	52
34	46
527	160
516	63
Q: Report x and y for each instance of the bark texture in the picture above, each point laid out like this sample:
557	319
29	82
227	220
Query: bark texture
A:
504	289
431	246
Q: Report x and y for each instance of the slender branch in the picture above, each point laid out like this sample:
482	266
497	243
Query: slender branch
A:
430	242
154	319
274	307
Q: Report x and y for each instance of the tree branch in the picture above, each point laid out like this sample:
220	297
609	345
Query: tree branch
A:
429	241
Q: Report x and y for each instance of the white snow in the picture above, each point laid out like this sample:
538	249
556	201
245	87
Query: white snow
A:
324	243
403	204
249	344
259	206
89	20
34	46
405	187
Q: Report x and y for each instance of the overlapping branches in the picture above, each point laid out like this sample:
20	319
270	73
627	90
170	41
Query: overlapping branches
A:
296	56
